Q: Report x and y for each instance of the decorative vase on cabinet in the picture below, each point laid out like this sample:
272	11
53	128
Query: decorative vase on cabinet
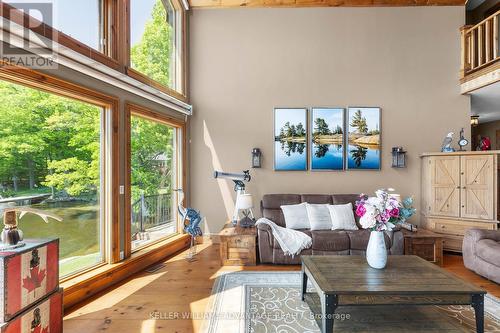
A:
376	252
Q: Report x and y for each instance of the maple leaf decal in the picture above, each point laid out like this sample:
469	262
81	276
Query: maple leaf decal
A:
35	279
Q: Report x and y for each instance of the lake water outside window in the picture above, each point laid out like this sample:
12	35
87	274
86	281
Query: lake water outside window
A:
153	179
153	39
67	17
50	159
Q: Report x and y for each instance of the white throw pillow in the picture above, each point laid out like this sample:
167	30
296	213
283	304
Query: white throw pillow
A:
319	217
342	217
296	216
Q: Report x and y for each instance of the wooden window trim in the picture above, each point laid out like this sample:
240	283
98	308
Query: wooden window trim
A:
155	84
131	108
34	79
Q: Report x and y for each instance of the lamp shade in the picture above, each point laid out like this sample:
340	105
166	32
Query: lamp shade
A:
244	201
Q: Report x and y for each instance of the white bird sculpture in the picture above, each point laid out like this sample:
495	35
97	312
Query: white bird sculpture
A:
446	146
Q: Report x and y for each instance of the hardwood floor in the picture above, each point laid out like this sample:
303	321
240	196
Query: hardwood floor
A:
180	288
454	263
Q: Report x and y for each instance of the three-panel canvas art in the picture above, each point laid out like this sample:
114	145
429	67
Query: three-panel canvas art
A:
327	138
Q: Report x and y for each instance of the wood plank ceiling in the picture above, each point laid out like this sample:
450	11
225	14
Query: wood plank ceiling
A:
321	3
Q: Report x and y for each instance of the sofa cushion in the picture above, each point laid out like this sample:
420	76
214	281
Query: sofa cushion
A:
489	250
359	239
330	240
342	217
296	216
276	245
342	199
270	206
316	198
319	217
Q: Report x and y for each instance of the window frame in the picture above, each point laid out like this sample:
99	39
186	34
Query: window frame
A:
109	152
116	31
180	143
180	84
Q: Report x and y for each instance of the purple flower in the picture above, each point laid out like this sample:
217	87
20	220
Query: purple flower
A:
394	212
360	210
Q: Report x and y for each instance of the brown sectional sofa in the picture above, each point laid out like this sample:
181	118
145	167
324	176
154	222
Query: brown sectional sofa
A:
325	242
481	252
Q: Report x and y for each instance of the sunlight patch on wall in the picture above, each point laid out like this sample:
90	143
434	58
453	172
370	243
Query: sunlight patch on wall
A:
224	188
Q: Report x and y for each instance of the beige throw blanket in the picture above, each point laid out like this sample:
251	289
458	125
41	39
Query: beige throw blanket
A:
292	242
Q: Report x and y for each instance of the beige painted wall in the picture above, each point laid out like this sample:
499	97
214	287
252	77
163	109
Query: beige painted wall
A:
245	62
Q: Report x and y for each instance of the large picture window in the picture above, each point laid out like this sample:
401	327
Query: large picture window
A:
51	159
155	39
154	165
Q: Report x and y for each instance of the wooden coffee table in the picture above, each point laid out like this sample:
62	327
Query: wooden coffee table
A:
407	280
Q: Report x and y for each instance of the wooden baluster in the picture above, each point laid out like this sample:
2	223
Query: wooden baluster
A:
473	48
487	41
496	27
480	44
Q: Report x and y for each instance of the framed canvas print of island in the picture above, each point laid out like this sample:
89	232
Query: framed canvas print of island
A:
363	146
327	139
290	139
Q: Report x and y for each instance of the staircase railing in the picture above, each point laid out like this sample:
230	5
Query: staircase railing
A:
480	47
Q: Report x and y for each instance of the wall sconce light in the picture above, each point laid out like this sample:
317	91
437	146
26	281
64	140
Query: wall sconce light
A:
256	158
398	157
474	120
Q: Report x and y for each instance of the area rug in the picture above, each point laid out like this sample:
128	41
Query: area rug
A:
269	302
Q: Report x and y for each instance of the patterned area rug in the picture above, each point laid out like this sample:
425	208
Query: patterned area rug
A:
269	302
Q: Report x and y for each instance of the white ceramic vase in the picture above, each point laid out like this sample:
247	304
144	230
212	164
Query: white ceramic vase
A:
376	253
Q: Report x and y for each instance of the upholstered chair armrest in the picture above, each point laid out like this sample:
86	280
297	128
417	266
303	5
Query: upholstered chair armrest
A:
476	235
264	231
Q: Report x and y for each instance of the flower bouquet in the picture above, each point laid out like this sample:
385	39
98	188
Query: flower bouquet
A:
381	213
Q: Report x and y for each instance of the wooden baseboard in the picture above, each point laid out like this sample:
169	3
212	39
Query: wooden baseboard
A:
86	285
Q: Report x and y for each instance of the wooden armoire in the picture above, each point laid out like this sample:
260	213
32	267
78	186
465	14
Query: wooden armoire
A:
459	191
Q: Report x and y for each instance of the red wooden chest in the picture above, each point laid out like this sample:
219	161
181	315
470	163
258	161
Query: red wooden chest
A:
43	317
27	274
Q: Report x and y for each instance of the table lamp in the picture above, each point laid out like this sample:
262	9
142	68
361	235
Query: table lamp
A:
244	203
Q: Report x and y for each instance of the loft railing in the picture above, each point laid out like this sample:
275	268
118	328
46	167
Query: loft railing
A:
480	47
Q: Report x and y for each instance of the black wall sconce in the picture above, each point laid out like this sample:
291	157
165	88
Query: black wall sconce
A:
398	157
256	158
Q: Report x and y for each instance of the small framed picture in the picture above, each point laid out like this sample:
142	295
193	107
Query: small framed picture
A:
364	138
290	139
327	138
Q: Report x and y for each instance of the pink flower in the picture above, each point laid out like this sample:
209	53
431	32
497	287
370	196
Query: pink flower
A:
360	210
394	212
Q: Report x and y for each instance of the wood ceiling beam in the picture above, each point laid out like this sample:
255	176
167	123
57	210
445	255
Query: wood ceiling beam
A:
321	3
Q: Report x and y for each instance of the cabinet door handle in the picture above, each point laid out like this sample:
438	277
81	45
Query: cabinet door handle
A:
463	187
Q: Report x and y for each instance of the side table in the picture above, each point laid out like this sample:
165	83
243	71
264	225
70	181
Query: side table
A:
425	244
237	245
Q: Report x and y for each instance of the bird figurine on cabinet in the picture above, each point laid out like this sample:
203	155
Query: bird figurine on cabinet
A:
446	146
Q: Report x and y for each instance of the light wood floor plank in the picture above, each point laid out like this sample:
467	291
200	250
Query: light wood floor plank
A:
183	287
